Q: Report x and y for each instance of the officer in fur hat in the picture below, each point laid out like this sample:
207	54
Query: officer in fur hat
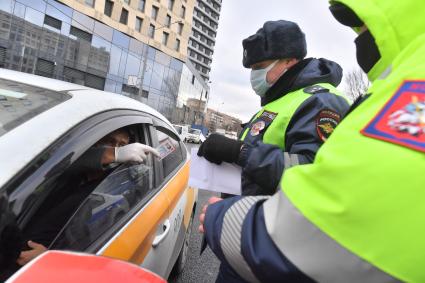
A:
300	108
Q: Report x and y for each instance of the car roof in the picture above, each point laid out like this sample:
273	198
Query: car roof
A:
21	144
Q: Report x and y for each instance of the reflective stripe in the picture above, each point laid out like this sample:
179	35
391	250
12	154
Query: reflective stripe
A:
290	160
311	250
386	73
231	236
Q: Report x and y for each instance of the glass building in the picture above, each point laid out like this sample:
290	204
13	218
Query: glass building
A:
48	38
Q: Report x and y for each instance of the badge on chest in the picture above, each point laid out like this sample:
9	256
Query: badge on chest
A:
262	122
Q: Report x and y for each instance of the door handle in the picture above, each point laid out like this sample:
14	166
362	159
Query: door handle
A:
158	239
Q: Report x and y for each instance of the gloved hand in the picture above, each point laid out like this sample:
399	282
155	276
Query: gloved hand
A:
134	152
218	148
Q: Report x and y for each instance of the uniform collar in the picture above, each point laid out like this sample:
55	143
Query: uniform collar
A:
285	83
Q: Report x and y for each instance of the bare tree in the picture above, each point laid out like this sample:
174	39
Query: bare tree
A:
357	83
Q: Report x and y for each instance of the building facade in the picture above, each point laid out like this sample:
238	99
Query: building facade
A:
97	43
216	121
204	31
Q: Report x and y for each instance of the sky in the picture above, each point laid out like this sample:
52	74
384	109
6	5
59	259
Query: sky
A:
231	91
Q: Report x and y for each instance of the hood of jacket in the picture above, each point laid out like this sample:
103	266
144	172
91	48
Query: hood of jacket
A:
393	24
305	73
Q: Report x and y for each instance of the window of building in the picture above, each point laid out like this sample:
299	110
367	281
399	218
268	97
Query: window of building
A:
109	6
80	34
124	16
145	93
165	38
89	2
2	56
94	81
139	23
142	4
129	89
127	2
180	28
168	20
154	14
170	4
183	12
193	79
50	21
44	68
177	45
151	31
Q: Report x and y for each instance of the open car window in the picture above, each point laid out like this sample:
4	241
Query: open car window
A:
108	203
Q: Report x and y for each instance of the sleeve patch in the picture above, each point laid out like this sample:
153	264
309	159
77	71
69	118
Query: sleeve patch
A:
402	120
326	122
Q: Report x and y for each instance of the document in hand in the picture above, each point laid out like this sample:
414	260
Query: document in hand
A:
223	178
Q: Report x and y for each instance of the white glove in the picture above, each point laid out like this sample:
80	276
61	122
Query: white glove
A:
134	152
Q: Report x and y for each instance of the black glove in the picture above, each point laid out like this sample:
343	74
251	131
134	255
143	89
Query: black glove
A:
217	148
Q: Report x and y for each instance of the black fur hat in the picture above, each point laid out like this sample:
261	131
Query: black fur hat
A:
275	40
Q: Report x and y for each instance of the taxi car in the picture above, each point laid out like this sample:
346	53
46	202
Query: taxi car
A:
140	213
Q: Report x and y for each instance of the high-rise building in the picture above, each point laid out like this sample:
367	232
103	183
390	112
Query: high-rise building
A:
137	48
202	39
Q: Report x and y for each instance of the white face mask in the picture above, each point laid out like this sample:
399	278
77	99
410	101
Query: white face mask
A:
259	79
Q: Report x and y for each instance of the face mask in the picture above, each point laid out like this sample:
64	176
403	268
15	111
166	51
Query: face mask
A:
259	81
367	51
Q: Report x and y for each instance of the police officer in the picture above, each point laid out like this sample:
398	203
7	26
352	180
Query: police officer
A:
301	108
356	214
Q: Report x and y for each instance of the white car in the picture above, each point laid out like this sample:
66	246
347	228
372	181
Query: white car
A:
141	213
182	130
194	136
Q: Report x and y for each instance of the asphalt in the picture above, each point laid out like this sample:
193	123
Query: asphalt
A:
198	268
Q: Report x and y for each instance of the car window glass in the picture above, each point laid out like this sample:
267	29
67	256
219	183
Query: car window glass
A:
109	202
175	158
20	102
101	194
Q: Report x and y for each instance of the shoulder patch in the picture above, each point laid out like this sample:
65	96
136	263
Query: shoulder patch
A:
326	122
315	89
402	120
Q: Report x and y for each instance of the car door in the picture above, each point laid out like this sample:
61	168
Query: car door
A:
27	191
174	169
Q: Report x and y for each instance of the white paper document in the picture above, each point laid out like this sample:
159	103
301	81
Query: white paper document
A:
223	178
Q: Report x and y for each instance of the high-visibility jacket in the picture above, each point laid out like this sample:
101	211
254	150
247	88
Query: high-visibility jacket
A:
291	126
356	213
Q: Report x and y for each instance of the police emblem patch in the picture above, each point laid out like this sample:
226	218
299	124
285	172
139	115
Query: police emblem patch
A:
326	122
257	127
268	116
402	120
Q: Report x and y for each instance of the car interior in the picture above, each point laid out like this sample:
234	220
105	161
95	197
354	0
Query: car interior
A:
74	208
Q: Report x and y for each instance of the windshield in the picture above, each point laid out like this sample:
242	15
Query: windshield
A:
194	131
20	102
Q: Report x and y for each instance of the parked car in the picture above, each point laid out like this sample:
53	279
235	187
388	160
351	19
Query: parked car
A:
194	136
140	213
182	130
